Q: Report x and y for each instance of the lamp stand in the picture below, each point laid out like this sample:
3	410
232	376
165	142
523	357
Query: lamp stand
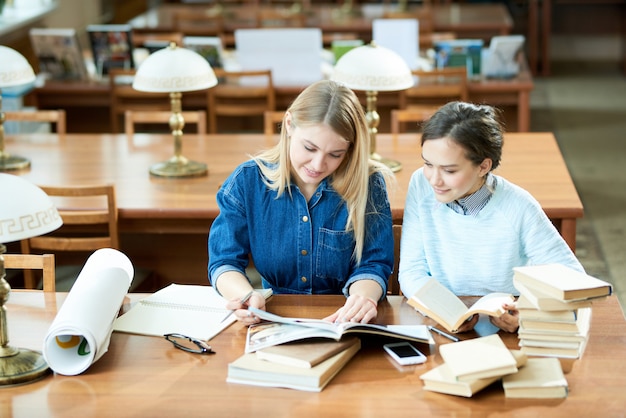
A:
17	365
8	161
178	165
373	119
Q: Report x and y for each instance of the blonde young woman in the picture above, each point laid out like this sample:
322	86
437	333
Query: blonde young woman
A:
312	212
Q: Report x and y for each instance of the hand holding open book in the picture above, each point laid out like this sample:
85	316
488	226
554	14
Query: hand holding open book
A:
439	303
278	330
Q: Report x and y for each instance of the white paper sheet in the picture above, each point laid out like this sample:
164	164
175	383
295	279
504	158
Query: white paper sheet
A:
81	330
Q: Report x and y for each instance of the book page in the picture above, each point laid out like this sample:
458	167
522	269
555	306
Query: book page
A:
193	310
491	304
436	301
281	329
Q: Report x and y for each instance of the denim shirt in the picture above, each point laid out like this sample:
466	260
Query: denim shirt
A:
297	246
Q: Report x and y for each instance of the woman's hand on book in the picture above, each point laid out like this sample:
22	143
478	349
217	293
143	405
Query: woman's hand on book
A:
357	308
240	308
508	321
469	324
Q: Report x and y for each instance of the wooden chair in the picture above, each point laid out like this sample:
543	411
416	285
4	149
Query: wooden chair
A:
279	18
272	121
132	118
89	216
393	287
416	114
56	117
123	97
435	87
44	262
198	21
240	94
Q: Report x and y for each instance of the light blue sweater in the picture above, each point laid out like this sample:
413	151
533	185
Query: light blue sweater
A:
475	255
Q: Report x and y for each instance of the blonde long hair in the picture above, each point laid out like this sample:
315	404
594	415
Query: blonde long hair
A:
337	106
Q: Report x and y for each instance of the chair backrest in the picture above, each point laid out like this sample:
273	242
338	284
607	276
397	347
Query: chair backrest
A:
272	121
89	216
132	118
240	94
414	113
44	262
393	287
279	18
197	21
124	97
435	87
56	117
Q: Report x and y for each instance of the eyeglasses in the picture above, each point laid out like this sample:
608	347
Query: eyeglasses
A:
188	344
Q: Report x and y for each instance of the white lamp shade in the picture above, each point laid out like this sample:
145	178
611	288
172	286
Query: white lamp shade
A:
14	68
373	68
174	69
26	211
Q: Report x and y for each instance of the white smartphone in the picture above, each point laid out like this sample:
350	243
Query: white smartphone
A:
404	353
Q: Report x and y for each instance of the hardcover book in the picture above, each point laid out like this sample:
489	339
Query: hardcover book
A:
111	46
536	299
249	369
59	53
304	353
439	303
562	282
539	378
580	324
442	380
279	330
478	358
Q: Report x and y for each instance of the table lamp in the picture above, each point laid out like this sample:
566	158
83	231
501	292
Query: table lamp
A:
175	70
373	68
14	71
26	211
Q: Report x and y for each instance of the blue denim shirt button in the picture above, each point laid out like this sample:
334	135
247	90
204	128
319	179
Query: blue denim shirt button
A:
305	219
303	279
304	252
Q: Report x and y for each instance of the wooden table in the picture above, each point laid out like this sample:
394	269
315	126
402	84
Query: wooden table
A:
465	20
146	377
88	102
184	208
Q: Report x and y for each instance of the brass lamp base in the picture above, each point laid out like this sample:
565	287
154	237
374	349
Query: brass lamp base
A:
393	165
13	162
22	367
178	167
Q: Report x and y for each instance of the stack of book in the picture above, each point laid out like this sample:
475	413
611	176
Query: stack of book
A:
305	353
555	309
472	365
307	365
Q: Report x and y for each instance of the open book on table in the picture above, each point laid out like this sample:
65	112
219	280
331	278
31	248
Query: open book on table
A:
279	330
193	310
439	303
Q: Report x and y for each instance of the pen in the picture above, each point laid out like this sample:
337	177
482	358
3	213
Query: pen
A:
443	334
242	301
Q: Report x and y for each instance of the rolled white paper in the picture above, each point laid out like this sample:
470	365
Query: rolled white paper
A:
81	330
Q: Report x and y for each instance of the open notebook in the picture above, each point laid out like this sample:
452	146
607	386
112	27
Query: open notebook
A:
192	310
